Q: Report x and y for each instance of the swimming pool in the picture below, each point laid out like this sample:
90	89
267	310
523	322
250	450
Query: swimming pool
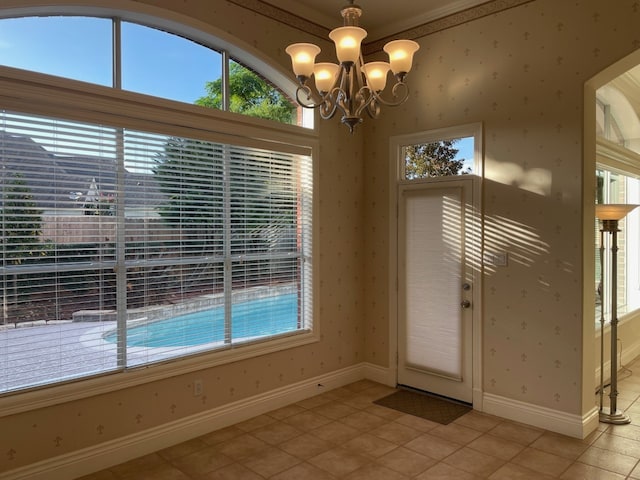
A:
250	319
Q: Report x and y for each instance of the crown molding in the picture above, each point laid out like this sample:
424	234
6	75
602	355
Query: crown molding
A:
428	28
282	16
444	23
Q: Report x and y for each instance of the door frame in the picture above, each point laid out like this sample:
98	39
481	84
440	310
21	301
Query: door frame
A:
421	376
395	175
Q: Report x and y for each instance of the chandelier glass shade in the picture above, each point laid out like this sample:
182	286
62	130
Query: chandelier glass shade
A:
350	87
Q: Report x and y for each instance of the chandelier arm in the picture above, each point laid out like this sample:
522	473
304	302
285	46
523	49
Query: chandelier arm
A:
399	92
351	96
307	98
373	107
366	98
365	94
329	105
326	104
343	91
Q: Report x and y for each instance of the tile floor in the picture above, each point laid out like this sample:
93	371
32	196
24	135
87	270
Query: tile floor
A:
342	435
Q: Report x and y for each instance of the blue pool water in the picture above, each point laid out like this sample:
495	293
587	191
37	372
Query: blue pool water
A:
255	318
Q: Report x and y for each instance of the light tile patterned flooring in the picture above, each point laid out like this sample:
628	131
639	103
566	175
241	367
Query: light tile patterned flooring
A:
341	435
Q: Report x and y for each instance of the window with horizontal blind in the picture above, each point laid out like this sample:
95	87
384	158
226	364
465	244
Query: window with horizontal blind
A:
122	248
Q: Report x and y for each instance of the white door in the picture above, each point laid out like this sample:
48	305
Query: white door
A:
435	287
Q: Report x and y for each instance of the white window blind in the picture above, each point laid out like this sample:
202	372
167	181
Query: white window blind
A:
433	279
121	248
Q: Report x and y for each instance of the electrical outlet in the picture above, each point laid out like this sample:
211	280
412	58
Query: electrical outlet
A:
497	259
500	259
198	387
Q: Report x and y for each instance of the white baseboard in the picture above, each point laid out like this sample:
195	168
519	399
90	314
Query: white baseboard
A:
105	455
383	375
629	354
542	417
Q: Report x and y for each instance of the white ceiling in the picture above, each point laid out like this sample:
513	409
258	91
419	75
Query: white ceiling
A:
381	18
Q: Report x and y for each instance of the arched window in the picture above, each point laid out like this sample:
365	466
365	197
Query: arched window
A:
138	231
120	54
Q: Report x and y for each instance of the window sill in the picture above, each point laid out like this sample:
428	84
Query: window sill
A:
624	318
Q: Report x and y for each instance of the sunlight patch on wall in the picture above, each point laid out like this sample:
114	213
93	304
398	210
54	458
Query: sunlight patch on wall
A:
534	180
521	241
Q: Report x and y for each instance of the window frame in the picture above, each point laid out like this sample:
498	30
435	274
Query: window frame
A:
614	159
42	94
470	130
206	34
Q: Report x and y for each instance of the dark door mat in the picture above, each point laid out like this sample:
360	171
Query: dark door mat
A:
424	405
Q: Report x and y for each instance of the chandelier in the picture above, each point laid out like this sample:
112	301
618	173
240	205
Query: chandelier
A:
352	87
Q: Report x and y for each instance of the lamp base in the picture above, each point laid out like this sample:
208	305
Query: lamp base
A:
616	418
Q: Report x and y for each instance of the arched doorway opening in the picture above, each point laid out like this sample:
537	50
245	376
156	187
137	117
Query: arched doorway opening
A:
611	175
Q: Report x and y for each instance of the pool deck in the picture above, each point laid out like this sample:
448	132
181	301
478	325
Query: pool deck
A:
42	353
39	353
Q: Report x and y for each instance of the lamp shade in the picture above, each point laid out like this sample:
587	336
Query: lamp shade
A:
325	74
613	211
401	55
348	40
376	73
303	56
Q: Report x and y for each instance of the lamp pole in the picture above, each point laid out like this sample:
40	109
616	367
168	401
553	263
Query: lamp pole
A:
601	292
610	215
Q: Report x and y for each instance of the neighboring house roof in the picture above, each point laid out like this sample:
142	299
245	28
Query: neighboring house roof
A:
62	181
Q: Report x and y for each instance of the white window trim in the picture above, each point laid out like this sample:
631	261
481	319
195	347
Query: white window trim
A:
617	158
441	134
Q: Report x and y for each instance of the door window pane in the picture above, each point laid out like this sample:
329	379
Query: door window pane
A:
441	158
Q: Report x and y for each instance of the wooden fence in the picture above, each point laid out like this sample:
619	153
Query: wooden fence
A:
68	229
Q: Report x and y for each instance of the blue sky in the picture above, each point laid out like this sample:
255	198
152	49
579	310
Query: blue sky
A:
81	48
465	151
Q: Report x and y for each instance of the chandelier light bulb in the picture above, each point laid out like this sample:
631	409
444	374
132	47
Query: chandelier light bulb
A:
347	41
303	56
325	75
401	55
376	73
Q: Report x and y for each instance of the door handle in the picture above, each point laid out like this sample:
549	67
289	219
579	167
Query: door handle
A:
465	304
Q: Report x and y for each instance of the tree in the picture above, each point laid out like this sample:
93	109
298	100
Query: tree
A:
203	180
21	223
436	159
190	174
250	95
197	176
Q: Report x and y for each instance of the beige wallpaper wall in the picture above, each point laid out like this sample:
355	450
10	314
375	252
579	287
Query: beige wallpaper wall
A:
34	436
521	73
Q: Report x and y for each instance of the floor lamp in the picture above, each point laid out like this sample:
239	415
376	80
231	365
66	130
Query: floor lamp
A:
609	215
